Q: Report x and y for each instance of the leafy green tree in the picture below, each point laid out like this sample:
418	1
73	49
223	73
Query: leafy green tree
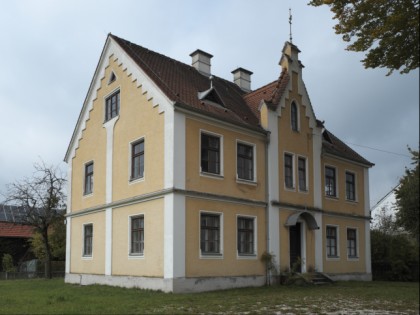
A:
387	29
407	195
7	263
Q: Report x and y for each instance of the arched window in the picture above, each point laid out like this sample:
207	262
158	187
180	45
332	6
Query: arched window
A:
294	117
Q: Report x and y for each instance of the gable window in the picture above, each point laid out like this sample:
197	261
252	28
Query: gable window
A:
246	236
332	241
351	243
112	106
294	117
210	234
245	161
137	159
330	182
350	186
88	189
288	170
302	174
87	239
137	235
210	154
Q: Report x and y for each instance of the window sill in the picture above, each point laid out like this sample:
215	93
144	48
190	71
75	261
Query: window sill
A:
291	189
211	256
136	180
135	256
333	258
335	198
212	175
87	195
111	121
246	256
353	258
246	182
86	257
351	201
304	191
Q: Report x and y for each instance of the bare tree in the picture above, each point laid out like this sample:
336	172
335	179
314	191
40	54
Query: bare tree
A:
41	197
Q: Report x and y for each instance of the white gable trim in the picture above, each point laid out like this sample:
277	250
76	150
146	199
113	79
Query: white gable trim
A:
112	49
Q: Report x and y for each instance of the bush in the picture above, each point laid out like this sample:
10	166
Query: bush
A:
7	263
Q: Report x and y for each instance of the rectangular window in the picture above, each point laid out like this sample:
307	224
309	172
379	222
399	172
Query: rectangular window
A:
288	170
350	186
88	178
210	154
137	159
332	241
112	106
330	182
245	236
302	174
245	161
210	234
137	235
352	243
87	239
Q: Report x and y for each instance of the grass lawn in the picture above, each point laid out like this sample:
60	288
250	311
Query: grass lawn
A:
54	297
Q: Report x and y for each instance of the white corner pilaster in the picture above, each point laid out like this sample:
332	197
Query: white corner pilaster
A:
317	189
68	219
273	186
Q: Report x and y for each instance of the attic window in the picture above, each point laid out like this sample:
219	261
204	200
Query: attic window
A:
211	96
112	78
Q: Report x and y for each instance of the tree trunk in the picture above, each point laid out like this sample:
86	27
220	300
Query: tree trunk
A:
48	272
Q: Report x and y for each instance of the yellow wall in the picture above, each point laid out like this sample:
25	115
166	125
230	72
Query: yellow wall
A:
340	204
96	263
343	264
230	264
137	119
298	143
151	264
228	185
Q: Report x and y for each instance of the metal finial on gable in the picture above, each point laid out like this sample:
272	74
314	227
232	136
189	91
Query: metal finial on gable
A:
290	22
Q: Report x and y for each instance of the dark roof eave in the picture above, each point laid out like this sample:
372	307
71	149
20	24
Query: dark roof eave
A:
343	156
227	120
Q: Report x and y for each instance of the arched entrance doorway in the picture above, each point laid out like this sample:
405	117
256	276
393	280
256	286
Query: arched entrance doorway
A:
297	223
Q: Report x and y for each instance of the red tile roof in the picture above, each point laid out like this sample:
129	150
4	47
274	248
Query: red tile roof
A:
8	229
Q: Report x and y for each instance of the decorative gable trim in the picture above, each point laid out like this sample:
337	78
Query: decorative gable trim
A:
113	50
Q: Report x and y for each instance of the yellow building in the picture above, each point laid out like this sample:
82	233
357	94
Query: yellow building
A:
180	180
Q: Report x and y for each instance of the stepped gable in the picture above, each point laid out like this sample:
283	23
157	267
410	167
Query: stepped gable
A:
181	83
332	145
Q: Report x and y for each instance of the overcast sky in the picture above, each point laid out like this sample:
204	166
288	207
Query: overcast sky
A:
50	49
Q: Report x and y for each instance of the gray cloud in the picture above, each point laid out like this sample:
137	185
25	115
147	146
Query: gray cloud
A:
50	50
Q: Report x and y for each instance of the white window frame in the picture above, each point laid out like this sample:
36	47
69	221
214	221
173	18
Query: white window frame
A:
86	195
297	115
130	218
86	257
353	258
219	255
254	255
332	258
110	121
206	174
254	161
293	188
306	174
337	193
355	185
130	150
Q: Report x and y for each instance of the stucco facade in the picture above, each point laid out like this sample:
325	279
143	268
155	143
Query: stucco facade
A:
180	181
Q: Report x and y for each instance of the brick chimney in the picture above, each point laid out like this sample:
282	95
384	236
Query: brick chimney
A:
242	78
201	61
